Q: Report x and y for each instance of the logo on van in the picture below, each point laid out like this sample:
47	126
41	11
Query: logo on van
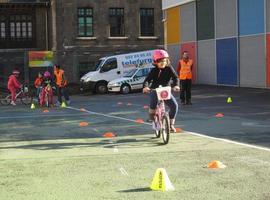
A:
138	60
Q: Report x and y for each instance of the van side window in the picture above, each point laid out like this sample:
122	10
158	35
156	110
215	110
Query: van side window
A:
109	65
142	72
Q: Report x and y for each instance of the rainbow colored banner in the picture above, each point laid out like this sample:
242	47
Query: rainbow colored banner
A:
40	59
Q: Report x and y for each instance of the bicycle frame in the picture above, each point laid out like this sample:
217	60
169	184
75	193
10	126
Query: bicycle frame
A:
159	113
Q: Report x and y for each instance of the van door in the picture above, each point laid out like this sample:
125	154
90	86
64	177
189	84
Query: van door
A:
110	69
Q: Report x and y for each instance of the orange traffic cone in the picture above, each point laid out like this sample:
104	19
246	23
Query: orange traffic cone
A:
139	121
108	135
215	164
219	115
83	124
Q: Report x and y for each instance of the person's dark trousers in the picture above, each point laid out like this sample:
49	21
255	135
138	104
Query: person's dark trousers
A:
185	92
62	91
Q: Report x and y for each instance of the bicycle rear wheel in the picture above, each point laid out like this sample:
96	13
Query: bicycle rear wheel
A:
5	100
26	99
165	131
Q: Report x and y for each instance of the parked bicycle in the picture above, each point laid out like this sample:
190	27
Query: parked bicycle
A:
23	94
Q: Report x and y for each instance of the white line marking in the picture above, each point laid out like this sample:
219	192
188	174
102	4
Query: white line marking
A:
39	115
229	141
115	150
95	129
191	133
110	116
123	171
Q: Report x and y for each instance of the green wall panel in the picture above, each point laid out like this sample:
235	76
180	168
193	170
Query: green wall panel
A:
205	19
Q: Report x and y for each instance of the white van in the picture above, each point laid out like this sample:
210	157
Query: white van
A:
133	80
113	67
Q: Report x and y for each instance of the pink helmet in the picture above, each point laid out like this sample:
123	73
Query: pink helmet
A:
160	54
15	72
47	74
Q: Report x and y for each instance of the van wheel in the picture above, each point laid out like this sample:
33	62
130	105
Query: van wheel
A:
101	88
125	89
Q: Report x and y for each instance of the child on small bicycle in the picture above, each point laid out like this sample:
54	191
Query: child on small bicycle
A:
13	85
47	90
38	84
162	74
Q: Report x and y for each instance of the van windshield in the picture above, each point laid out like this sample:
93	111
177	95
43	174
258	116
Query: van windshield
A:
130	73
99	64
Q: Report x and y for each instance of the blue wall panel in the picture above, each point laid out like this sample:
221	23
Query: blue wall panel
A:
251	17
227	61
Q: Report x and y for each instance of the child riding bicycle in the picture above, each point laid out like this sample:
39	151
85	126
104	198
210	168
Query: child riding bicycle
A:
47	91
162	74
13	85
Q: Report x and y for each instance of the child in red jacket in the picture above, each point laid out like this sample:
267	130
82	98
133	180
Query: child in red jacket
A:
13	85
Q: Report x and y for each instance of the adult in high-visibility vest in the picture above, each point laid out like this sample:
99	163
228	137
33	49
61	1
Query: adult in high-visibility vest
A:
185	75
61	84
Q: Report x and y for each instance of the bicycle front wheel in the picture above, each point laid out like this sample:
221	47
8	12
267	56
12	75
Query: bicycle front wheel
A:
165	131
26	99
6	100
157	130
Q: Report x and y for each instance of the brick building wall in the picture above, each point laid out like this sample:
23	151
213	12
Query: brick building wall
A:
73	51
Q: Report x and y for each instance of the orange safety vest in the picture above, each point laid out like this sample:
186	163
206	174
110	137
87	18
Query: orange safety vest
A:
38	82
59	78
185	71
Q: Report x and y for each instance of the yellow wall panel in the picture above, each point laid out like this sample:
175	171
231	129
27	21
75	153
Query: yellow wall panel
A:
172	28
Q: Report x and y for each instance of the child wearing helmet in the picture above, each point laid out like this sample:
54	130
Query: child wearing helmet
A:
46	89
162	74
13	85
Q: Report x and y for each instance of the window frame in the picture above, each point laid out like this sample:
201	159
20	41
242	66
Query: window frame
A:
26	36
85	16
145	32
118	16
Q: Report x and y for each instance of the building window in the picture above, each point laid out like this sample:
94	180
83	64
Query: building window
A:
116	19
2	27
85	22
21	27
147	21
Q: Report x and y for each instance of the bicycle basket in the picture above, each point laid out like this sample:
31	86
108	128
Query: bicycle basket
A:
164	93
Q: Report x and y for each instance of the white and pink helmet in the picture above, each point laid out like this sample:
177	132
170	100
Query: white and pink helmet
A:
160	54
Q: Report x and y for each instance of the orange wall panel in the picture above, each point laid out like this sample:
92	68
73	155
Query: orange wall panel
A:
173	33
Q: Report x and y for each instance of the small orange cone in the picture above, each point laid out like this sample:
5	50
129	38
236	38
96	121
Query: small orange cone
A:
139	121
219	115
145	107
45	111
119	103
215	164
82	109
83	124
129	104
178	130
108	135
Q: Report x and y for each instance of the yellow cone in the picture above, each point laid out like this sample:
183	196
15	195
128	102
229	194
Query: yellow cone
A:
229	100
161	181
33	106
63	105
